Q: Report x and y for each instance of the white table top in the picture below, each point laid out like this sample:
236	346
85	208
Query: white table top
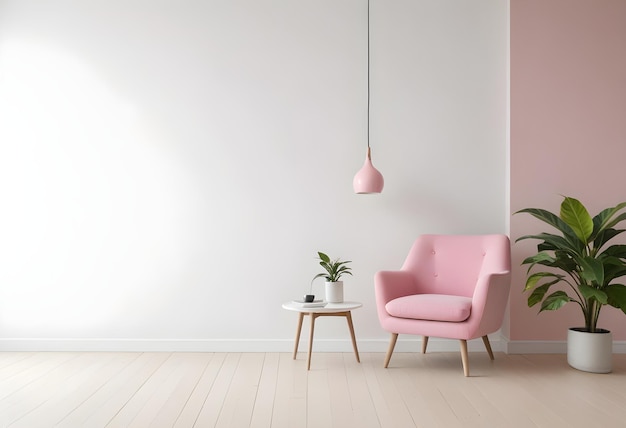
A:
330	307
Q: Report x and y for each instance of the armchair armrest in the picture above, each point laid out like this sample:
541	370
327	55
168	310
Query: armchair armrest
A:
389	285
490	299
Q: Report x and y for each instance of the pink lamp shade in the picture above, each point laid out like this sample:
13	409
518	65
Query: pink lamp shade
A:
368	179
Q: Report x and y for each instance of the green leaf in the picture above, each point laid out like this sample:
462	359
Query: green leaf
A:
614	261
540	258
554	221
554	242
565	262
593	293
616	220
323	257
561	260
613	269
592	270
604	220
605	236
615	251
577	217
617	296
533	279
548	217
555	301
538	293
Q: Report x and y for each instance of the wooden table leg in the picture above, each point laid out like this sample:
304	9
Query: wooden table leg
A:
308	362
313	315
351	327
298	330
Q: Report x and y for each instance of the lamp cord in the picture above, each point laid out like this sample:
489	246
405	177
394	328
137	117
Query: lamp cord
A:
368	75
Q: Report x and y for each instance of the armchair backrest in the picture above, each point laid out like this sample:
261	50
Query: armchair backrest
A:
452	264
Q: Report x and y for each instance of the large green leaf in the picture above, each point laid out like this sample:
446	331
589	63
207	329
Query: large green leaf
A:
593	293
560	260
614	262
604	220
548	217
565	262
615	221
554	221
577	217
554	242
617	296
592	270
533	279
555	301
538	293
542	258
615	251
613	268
605	236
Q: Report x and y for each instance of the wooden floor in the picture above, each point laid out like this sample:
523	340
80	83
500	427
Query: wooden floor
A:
272	390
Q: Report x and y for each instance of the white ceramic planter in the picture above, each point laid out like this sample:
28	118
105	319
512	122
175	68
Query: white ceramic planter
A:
590	352
334	292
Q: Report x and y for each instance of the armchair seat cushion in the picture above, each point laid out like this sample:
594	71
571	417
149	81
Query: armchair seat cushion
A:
433	307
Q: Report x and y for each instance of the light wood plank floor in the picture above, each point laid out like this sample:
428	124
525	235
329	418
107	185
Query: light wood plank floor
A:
271	390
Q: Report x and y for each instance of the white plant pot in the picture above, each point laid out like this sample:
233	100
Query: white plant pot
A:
590	352
334	292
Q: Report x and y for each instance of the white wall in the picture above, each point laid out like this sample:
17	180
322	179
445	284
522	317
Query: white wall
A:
169	169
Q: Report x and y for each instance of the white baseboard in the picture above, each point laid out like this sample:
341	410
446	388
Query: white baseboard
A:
144	345
407	344
404	344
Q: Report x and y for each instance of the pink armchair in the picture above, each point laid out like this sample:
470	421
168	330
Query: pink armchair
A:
450	286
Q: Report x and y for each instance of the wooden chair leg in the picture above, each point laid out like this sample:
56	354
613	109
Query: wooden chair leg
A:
392	344
464	357
488	346
424	344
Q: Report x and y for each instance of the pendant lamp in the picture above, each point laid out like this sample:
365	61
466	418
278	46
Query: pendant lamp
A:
368	179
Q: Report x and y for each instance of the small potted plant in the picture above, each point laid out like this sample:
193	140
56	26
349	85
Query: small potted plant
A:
333	271
580	259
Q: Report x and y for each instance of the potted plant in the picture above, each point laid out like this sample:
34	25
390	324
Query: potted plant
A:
580	259
333	271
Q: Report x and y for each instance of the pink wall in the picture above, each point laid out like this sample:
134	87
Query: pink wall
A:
568	131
